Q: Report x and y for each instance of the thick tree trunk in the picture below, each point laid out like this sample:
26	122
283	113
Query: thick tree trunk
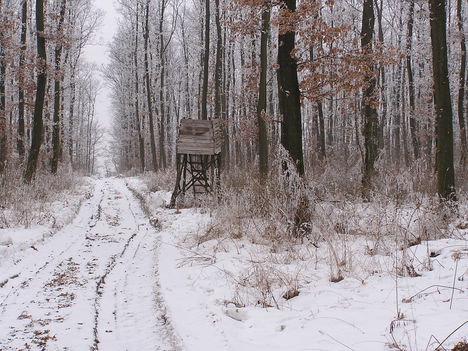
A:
21	103
40	95
289	94
371	123
56	141
443	107
148	92
206	61
461	88
262	94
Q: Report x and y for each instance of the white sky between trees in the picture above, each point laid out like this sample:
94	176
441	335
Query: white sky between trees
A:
97	52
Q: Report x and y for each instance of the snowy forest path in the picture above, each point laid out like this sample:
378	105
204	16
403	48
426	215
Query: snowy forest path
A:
92	286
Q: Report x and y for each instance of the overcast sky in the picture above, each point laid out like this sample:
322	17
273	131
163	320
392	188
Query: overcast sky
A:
97	52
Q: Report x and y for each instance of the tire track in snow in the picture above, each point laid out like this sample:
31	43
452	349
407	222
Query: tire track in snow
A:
126	303
25	277
100	287
74	274
159	301
42	297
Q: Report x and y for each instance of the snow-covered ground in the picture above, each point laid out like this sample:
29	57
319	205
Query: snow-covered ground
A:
89	286
129	274
43	220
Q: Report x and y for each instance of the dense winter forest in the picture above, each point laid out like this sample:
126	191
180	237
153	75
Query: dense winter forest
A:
344	86
340	221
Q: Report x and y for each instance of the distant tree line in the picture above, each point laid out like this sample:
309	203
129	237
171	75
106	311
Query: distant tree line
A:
47	91
335	82
377	84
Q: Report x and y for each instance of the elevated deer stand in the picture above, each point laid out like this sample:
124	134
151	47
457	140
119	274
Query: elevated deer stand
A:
198	157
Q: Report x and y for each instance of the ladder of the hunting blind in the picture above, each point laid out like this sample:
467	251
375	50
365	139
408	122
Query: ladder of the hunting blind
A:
198	157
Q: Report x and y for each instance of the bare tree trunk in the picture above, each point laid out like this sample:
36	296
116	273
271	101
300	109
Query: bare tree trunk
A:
141	141
218	64
443	107
409	70
188	105
56	142
71	117
404	132
383	117
21	103
461	87
40	95
371	123
162	105
3	117
262	93
206	60
289	94
148	92
321	132
320	122
397	116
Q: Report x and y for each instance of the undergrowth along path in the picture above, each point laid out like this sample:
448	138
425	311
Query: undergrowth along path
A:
92	286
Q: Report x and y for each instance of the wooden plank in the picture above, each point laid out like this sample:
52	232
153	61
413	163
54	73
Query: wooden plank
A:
199	137
198	152
191	130
195	137
196	145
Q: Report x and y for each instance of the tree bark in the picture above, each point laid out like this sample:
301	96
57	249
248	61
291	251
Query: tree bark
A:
21	103
162	105
443	107
371	123
412	95
320	122
218	63
3	117
56	141
141	141
36	138
322	154
148	92
382	82
188	104
461	87
206	61
289	94
262	93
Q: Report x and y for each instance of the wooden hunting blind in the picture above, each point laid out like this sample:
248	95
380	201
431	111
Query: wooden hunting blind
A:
198	157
